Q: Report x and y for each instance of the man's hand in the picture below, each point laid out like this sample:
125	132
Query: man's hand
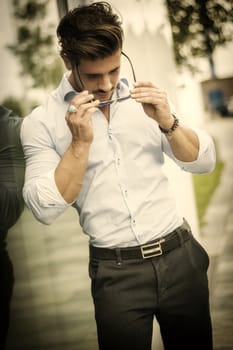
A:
154	102
80	123
70	171
184	142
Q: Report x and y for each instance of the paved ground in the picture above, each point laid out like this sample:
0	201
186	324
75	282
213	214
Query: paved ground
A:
218	238
52	308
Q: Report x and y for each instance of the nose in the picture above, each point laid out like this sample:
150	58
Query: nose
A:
105	83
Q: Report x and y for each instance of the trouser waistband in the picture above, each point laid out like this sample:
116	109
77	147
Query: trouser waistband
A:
149	250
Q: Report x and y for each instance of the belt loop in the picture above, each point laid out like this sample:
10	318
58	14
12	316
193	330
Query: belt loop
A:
181	237
184	228
118	256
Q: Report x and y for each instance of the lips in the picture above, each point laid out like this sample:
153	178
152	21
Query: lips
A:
103	97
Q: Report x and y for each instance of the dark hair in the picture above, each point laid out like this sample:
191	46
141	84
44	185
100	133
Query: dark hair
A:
90	32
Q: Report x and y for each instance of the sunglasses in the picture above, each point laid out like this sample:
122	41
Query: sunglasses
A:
72	93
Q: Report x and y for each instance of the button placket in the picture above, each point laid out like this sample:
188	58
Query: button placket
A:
110	132
119	166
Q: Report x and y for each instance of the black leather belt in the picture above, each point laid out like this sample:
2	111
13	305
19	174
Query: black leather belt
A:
152	249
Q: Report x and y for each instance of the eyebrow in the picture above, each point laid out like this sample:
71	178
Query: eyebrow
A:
99	74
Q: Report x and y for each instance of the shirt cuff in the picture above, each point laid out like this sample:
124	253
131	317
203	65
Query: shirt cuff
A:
206	159
48	193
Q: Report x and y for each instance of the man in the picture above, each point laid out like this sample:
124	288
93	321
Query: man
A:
99	147
11	205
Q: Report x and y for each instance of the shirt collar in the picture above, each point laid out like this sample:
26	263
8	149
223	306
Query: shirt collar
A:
65	86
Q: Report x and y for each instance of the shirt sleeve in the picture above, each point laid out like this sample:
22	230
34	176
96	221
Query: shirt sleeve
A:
40	192
206	159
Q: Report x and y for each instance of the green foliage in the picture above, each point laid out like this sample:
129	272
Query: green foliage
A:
34	44
14	104
19	105
198	27
204	187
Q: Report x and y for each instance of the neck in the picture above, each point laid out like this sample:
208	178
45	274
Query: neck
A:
106	111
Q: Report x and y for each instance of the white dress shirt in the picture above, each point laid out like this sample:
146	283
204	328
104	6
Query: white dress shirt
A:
125	199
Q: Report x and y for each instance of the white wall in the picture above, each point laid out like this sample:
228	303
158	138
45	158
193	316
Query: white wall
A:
149	47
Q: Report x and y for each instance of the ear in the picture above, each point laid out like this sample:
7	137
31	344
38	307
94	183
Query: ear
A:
67	62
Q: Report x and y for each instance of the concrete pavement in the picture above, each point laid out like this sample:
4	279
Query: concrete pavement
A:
217	236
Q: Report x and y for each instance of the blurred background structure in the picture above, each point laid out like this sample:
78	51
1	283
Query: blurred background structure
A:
186	48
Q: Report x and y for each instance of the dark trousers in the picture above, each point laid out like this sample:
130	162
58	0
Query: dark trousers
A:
173	287
6	289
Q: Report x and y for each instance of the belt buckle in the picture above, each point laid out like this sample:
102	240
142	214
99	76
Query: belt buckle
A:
151	250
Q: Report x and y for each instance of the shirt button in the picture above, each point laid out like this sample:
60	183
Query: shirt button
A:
110	133
133	222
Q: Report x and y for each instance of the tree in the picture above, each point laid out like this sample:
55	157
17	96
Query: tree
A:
198	28
34	44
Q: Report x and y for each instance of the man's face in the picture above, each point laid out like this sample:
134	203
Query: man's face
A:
100	76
